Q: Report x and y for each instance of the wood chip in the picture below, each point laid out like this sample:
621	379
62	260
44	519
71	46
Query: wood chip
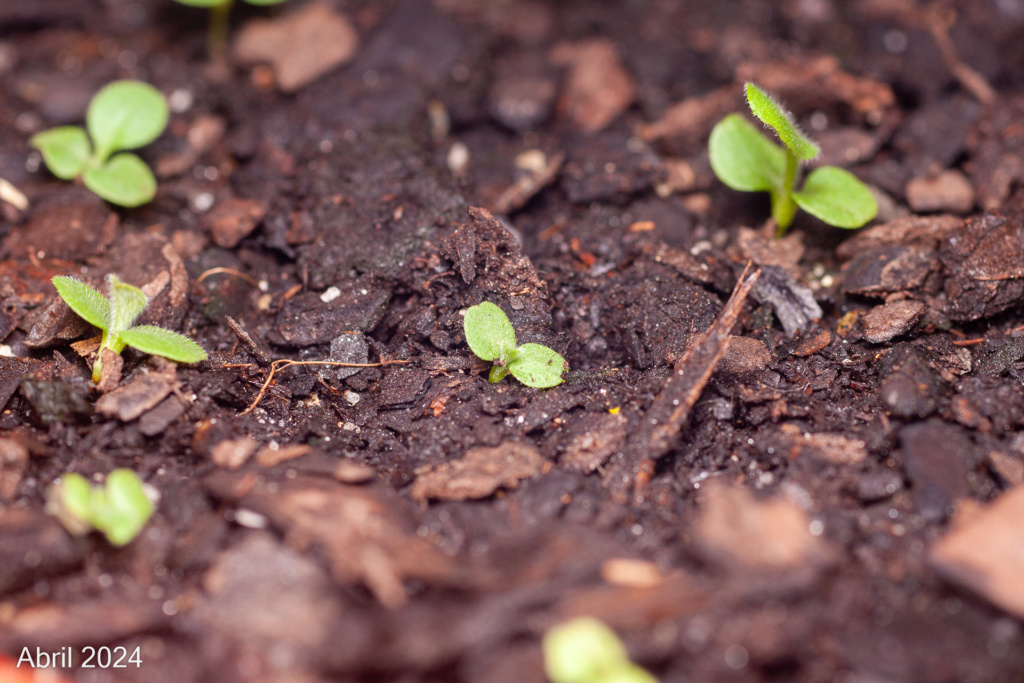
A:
273	454
130	401
622	571
301	46
232	453
743	533
887	321
948	191
481	472
597	87
985	553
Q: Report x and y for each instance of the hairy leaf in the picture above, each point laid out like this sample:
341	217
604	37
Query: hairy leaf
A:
87	302
497	373
69	500
743	158
836	197
161	342
125	115
582	650
779	119
121	508
126	303
125	180
537	366
489	332
65	150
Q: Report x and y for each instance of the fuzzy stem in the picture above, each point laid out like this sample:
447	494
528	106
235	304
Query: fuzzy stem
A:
217	35
783	206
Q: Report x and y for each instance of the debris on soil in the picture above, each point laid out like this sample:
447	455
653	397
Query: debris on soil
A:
744	534
887	321
301	46
597	87
948	191
479	473
982	552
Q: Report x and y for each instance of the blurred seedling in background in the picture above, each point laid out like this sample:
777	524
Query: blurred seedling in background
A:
115	313
119	509
584	650
491	337
122	115
744	159
220	13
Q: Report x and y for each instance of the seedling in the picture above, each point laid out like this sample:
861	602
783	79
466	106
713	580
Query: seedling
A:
584	650
122	115
744	159
220	11
119	510
491	337
114	315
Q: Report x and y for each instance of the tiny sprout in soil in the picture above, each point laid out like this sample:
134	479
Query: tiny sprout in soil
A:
220	11
491	337
744	159
122	115
119	510
114	315
584	650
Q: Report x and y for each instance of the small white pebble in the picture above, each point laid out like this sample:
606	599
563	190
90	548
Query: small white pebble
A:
180	100
352	397
202	202
330	294
250	519
458	159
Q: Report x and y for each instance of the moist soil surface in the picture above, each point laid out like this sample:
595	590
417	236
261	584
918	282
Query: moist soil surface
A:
820	481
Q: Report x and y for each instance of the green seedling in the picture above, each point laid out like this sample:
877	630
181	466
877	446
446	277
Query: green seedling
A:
744	159
122	115
115	314
220	12
119	509
491	337
584	650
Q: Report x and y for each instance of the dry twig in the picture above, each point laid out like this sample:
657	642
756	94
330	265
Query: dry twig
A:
287	363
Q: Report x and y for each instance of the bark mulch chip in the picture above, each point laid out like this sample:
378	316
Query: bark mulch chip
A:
792	459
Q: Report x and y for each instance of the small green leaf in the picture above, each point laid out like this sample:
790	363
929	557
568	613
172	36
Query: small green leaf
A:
583	650
629	673
121	508
836	197
743	158
65	150
125	115
87	302
489	332
70	501
126	303
537	366
160	342
497	373
125	180
779	119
